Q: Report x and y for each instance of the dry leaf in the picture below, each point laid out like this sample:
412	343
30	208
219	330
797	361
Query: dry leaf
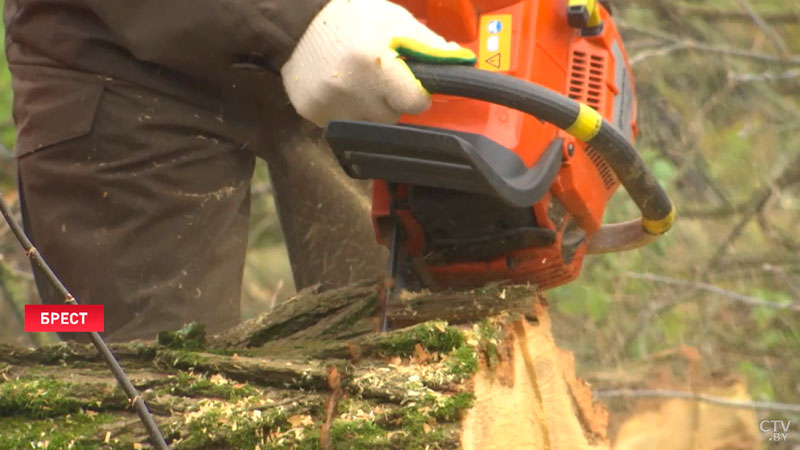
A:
296	421
218	379
420	355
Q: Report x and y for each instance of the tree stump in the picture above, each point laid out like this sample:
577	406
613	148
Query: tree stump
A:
471	370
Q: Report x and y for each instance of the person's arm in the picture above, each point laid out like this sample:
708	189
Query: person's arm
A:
206	38
339	59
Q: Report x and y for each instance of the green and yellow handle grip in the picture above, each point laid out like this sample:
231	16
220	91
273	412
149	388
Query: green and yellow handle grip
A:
581	121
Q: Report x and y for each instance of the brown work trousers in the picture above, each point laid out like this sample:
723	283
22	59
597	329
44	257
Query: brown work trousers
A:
139	201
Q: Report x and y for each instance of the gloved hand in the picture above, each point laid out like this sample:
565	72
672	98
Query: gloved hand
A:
346	65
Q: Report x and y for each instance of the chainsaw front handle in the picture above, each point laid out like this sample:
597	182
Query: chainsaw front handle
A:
579	120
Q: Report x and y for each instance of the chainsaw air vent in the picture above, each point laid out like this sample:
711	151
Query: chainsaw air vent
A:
587	75
586	78
602	166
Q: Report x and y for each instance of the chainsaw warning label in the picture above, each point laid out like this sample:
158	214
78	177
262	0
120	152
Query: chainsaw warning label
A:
495	36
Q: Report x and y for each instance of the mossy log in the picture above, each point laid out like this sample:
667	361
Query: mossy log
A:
471	370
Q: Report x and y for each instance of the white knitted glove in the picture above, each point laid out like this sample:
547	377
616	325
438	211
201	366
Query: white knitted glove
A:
347	67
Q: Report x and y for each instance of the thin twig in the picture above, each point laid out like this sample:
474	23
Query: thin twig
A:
712	14
795	288
719	14
660	51
719	213
156	438
758	201
775	235
691	44
658	393
752	301
756	204
763	76
765	28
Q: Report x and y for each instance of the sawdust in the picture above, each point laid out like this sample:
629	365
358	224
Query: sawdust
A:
338	177
219	194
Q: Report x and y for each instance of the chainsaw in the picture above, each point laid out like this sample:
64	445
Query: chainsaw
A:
507	175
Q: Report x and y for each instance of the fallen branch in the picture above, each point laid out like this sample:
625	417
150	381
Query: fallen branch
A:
752	301
658	393
157	438
430	385
763	76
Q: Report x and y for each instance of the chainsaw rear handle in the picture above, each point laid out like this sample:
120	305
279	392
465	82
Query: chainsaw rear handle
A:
577	119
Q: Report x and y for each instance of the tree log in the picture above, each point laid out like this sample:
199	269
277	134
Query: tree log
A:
471	370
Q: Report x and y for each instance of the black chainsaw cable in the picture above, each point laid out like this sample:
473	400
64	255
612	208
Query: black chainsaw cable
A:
156	437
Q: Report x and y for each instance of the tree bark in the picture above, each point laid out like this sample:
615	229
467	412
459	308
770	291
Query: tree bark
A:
472	370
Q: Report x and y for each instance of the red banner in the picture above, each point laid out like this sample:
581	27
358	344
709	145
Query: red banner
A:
64	318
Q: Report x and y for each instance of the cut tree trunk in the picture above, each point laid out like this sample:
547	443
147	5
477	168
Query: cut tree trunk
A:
472	370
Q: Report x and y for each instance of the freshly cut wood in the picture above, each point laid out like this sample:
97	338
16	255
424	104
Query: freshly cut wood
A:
531	398
472	370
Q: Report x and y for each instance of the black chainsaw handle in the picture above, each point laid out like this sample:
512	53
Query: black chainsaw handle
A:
657	210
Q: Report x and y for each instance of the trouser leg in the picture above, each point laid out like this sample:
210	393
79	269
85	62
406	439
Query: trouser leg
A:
147	214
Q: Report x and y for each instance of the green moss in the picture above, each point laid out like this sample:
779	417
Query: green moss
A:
44	397
309	441
201	386
453	408
190	337
355	435
406	433
71	431
433	336
141	351
463	362
54	354
181	359
422	424
489	334
38	398
216	430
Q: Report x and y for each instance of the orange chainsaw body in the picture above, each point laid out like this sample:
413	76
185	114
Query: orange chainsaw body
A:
543	49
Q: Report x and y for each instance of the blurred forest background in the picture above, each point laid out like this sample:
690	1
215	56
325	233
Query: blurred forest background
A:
716	303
